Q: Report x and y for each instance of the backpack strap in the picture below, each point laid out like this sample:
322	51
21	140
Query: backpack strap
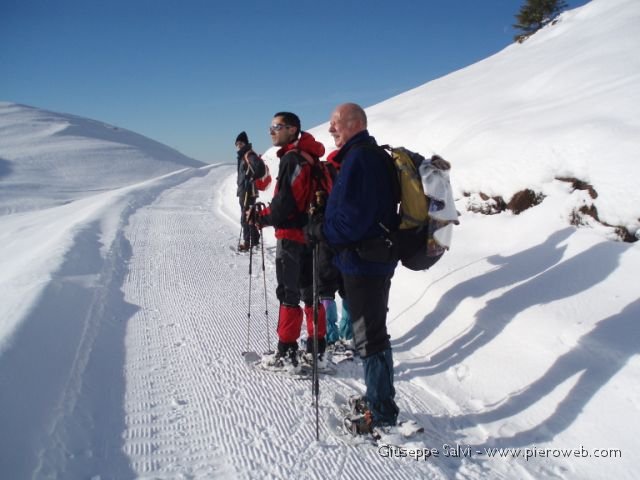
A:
307	156
393	172
387	150
246	160
260	163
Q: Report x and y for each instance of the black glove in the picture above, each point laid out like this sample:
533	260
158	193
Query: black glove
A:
254	215
313	230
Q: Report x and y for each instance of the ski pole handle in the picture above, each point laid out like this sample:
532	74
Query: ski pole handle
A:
321	197
318	203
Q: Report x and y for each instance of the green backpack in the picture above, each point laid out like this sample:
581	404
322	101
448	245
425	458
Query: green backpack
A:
417	247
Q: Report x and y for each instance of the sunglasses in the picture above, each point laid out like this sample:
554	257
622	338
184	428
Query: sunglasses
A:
277	127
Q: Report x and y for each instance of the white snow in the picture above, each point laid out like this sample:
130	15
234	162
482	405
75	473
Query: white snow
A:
123	311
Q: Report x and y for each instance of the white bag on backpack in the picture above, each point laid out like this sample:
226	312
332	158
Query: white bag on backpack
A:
437	186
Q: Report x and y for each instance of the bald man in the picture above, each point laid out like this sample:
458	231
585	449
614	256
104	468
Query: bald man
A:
361	208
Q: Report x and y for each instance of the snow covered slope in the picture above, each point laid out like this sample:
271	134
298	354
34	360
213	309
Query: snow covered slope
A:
562	104
48	158
58	172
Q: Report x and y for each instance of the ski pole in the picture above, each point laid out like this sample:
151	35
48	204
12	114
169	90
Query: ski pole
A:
259	206
250	277
316	300
314	210
266	304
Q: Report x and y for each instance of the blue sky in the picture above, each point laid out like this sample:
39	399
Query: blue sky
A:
193	74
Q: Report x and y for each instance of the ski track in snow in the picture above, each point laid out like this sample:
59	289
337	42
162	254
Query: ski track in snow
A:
193	407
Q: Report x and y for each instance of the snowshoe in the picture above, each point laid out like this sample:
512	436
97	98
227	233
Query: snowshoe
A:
397	434
324	364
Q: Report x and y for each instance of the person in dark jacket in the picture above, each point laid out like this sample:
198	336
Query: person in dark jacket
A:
339	335
250	168
362	206
288	213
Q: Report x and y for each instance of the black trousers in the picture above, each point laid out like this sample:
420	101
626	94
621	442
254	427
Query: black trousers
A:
250	233
329	277
368	298
294	272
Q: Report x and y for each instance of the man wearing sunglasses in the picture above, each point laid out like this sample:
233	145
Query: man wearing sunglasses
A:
288	213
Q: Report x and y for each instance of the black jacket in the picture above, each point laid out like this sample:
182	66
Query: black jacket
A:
250	168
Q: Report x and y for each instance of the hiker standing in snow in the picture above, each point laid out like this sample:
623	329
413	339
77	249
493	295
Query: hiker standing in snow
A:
288	213
339	334
250	168
361	205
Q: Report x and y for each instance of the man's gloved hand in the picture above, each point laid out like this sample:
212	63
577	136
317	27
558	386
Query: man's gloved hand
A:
313	230
254	215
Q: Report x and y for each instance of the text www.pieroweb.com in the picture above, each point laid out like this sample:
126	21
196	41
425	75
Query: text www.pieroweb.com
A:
467	451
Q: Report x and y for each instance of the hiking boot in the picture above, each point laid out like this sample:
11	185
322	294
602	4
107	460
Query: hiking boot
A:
243	247
358	405
359	424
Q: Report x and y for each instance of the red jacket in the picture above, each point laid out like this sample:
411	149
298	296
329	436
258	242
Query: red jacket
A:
293	193
331	158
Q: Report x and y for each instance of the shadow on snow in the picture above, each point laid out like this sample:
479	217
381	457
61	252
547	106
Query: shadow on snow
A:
64	411
540	277
598	356
509	271
6	168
